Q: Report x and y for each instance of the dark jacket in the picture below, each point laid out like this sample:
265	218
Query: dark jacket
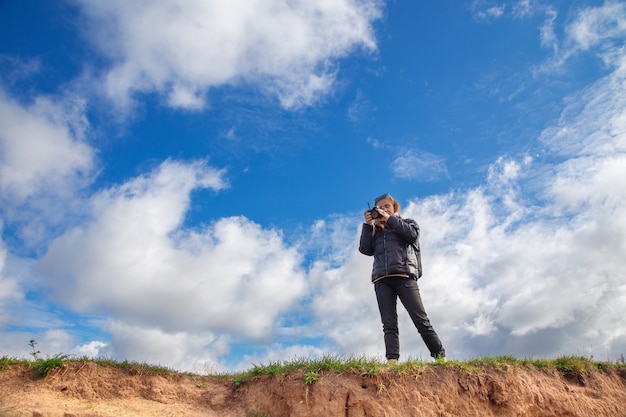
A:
395	248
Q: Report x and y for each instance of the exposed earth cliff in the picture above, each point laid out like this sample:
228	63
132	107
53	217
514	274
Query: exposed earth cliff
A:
89	389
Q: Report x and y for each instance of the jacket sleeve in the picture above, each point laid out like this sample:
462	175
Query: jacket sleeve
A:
366	243
407	229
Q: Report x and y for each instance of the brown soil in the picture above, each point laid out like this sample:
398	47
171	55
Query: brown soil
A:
87	389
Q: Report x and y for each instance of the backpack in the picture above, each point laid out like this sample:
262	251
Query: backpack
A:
416	249
418	254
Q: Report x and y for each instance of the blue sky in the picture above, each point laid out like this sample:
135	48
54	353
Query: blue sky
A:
182	182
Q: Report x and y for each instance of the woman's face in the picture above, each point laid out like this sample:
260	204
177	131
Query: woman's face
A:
386	204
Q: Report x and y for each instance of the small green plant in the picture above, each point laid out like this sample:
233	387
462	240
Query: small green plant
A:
311	377
45	366
238	380
35	352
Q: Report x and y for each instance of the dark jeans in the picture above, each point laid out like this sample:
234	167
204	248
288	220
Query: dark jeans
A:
387	292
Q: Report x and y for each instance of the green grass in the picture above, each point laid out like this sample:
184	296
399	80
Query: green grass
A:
45	366
314	369
136	367
42	366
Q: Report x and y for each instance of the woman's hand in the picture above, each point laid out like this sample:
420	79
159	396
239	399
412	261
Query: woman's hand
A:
383	214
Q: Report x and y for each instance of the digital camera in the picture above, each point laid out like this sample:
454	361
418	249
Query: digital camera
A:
375	214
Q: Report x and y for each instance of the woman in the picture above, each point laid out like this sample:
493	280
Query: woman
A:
394	243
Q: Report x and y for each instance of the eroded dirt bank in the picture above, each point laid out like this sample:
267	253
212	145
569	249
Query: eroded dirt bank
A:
86	389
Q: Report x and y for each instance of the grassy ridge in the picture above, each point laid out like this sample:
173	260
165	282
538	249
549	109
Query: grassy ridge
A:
313	368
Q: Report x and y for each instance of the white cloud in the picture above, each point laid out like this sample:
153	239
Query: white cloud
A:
15	68
523	8
344	304
278	353
42	148
487	9
44	162
9	288
90	349
420	166
532	260
361	108
54	342
597	30
513	269
186	98
548	37
530	263
182	49
135	263
597	25
191	351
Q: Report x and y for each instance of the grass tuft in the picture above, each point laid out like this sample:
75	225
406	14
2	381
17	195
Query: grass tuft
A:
571	364
45	366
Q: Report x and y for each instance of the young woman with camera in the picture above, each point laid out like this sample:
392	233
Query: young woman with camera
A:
394	244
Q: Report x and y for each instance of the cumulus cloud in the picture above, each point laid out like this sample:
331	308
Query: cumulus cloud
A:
135	263
345	306
42	148
193	351
529	263
182	49
45	160
500	267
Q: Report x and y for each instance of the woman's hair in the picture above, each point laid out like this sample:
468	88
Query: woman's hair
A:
396	205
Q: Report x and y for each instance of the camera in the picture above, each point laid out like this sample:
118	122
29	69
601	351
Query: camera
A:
375	214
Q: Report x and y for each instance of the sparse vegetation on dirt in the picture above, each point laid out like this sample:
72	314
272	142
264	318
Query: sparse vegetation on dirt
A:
328	386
